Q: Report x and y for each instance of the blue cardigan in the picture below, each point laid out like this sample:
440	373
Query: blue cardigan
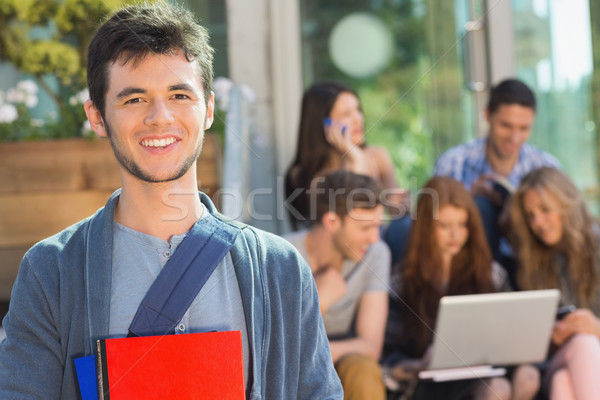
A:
61	300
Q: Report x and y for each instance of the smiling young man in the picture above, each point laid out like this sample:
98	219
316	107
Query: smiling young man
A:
351	267
505	151
149	75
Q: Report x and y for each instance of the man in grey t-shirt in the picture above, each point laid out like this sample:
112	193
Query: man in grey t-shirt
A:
351	267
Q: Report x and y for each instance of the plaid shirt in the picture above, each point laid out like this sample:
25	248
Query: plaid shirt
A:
466	162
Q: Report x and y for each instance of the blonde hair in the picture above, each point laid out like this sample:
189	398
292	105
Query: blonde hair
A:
538	261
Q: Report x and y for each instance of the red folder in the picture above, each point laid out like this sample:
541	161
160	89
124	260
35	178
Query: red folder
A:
191	366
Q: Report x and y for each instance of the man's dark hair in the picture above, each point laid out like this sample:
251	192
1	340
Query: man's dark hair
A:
341	191
511	91
136	31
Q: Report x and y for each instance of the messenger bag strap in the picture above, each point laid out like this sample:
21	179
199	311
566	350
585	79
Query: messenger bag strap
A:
182	277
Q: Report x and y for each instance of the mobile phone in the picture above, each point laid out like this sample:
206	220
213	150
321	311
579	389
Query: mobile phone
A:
564	310
327	122
502	186
504	192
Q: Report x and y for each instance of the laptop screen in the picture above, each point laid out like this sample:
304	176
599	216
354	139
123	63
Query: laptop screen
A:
498	329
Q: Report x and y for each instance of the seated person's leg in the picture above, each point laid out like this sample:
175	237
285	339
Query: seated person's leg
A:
580	357
497	388
361	377
562	386
526	382
510	264
396	236
489	216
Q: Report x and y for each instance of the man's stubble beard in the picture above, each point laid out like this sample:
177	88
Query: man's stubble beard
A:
136	171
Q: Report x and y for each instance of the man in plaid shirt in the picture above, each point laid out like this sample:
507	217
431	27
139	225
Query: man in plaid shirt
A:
505	151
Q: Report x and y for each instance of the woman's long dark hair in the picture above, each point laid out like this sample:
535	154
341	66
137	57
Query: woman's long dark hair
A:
313	152
422	269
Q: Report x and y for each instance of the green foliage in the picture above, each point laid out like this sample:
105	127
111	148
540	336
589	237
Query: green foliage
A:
42	56
76	14
395	101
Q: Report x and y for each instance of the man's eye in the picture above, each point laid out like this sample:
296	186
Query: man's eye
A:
133	101
180	96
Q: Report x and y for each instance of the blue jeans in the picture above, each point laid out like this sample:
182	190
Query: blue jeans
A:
396	236
497	242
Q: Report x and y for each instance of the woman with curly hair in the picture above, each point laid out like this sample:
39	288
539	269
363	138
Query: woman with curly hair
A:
557	243
447	255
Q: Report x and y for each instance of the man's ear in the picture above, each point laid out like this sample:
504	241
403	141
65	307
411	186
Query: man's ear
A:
210	111
487	114
331	221
95	118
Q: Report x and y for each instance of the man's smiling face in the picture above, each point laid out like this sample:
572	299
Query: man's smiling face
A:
155	116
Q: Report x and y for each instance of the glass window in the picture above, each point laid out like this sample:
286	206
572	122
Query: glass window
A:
213	16
554	55
412	87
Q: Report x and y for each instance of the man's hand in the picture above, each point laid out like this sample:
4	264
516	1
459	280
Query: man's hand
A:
483	187
331	286
579	321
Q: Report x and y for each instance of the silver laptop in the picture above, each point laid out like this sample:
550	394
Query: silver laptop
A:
493	329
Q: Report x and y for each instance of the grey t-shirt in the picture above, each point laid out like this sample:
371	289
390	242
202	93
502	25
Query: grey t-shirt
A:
372	274
137	260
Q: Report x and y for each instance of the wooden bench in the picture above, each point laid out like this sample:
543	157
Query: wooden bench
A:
48	185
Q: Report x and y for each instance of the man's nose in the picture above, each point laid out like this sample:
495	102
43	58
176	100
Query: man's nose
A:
159	113
517	134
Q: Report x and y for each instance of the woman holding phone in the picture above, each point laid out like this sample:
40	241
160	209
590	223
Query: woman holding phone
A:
558	246
332	136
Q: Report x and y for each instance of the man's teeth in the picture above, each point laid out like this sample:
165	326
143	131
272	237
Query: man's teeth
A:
158	142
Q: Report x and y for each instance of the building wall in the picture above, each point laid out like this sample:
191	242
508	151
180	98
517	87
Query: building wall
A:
264	53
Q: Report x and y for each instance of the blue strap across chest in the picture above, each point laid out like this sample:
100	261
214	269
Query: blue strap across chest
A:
182	277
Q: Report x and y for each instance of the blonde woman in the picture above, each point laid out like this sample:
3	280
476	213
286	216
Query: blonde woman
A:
557	243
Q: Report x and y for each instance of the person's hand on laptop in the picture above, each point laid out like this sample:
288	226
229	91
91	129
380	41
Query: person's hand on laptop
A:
581	320
409	367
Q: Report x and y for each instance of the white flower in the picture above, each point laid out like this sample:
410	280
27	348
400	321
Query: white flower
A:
221	86
79	98
86	128
23	93
83	96
36	122
8	113
28	86
15	96
31	100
